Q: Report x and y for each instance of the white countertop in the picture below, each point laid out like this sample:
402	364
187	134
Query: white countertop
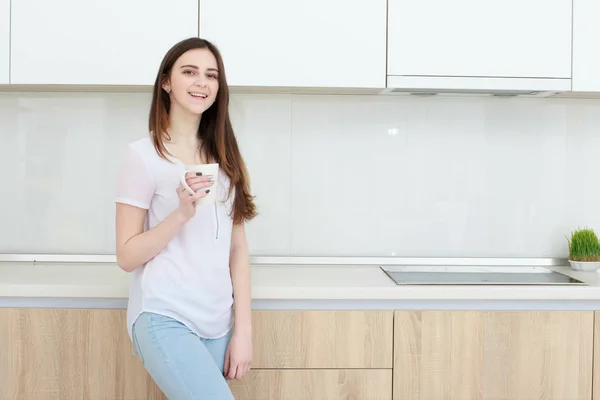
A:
279	282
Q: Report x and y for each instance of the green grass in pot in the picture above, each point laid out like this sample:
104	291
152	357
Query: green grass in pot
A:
584	246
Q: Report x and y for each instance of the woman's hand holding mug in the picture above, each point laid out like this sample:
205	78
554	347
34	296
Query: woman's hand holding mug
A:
196	189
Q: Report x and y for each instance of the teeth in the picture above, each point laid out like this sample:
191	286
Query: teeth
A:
199	95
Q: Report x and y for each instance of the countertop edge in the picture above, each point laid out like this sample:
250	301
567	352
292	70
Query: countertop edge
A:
329	293
282	283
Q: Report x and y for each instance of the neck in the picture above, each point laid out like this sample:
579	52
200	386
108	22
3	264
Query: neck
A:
183	126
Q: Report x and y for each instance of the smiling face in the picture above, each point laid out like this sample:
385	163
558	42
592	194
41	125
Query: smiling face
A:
194	81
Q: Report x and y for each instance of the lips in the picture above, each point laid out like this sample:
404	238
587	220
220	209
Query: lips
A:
198	95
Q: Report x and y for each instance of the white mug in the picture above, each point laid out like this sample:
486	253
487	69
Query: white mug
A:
206	169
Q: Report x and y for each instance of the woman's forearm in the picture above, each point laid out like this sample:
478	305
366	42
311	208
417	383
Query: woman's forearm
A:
141	248
239	266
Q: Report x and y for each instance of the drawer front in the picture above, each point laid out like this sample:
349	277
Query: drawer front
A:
323	384
322	339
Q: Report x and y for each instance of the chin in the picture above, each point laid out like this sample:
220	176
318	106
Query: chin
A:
197	109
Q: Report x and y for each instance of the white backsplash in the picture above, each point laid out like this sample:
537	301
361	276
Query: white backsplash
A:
333	175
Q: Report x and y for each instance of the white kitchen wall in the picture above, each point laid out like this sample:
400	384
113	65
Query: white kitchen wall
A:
333	175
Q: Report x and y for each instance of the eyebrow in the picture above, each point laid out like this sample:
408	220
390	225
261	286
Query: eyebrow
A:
196	68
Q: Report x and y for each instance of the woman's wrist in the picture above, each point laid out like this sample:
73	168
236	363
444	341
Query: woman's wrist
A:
242	328
180	217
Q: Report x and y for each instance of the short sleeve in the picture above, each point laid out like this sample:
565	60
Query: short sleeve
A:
135	185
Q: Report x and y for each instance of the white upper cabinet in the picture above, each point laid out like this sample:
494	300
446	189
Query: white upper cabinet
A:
586	51
4	41
96	42
492	44
309	43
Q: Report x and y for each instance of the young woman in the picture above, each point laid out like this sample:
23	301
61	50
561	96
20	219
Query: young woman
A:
189	307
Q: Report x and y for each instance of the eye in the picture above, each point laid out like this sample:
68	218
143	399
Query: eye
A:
188	72
212	76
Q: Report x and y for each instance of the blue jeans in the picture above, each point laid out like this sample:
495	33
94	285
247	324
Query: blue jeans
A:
183	365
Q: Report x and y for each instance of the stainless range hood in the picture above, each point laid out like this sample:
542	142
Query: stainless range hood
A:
475	86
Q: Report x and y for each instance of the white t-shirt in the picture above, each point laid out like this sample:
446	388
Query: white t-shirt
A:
189	279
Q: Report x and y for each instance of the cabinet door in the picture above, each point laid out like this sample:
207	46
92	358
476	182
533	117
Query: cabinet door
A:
48	354
4	41
586	57
493	355
474	38
99	42
322	338
596	383
310	43
311	384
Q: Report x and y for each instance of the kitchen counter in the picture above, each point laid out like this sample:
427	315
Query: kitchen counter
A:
292	286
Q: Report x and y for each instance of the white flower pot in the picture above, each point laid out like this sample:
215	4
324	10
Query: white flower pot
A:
588	266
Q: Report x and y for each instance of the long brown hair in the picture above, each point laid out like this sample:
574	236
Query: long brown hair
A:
215	130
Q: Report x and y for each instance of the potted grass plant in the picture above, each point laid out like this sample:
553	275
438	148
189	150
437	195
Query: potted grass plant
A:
584	250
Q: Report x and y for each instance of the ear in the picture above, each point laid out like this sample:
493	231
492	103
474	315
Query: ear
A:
166	85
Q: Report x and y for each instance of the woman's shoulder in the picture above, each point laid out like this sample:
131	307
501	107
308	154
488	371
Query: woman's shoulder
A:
142	145
143	148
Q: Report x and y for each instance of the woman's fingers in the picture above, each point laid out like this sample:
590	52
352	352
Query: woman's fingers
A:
199	183
232	371
227	363
195	179
186	197
195	174
200	194
191	178
243	372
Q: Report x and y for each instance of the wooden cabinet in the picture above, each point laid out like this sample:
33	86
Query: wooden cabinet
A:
325	355
493	355
467	39
4	41
108	42
310	43
596	367
56	354
328	384
322	339
48	354
586	57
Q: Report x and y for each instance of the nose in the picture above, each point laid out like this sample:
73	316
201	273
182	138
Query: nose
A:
200	81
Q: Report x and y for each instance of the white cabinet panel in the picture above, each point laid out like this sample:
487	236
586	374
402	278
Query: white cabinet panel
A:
475	38
104	42
586	56
309	43
4	41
